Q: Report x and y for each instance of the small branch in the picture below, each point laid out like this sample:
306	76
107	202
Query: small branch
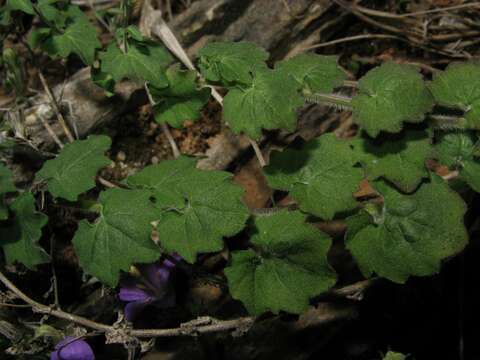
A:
107	183
55	107
165	128
171	140
50	131
352	38
258	152
43	309
197	326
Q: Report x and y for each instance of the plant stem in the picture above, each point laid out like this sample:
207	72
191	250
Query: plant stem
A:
165	128
55	106
341	101
258	152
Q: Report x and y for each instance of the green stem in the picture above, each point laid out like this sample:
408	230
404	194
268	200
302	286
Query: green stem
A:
337	100
445	122
125	16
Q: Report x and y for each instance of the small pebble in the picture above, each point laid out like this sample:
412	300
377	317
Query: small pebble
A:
154	160
121	156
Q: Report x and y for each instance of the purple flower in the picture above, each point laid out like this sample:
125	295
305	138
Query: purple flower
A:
72	349
151	287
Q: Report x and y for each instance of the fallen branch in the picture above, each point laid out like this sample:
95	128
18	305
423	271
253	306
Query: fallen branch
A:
201	325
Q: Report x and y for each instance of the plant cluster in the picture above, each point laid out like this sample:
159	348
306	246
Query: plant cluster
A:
409	222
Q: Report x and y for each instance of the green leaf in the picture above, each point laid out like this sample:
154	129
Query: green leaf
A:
21	5
6	182
14	5
6	186
394	356
54	15
197	208
457	87
288	268
120	237
231	62
315	73
388	96
79	38
181	100
141	62
400	159
321	176
20	239
37	37
411	234
457	151
73	171
269	103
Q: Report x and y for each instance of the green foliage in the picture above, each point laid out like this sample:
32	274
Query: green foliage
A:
6	182
6	186
14	5
315	73
19	238
288	267
400	160
119	237
394	356
21	5
181	100
79	38
388	96
68	31
141	61
321	176
457	87
269	103
231	62
196	207
410	234
73	171
457	151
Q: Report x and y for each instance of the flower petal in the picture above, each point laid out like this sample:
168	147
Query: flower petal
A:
133	309
158	276
133	294
71	349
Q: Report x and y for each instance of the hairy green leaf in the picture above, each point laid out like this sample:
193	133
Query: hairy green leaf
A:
458	87
321	176
142	62
6	186
394	356
315	73
73	171
231	62
388	96
181	100
457	151
197	208
269	103
21	5
411	234
287	269
119	237
400	160
79	38
20	238
6	182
